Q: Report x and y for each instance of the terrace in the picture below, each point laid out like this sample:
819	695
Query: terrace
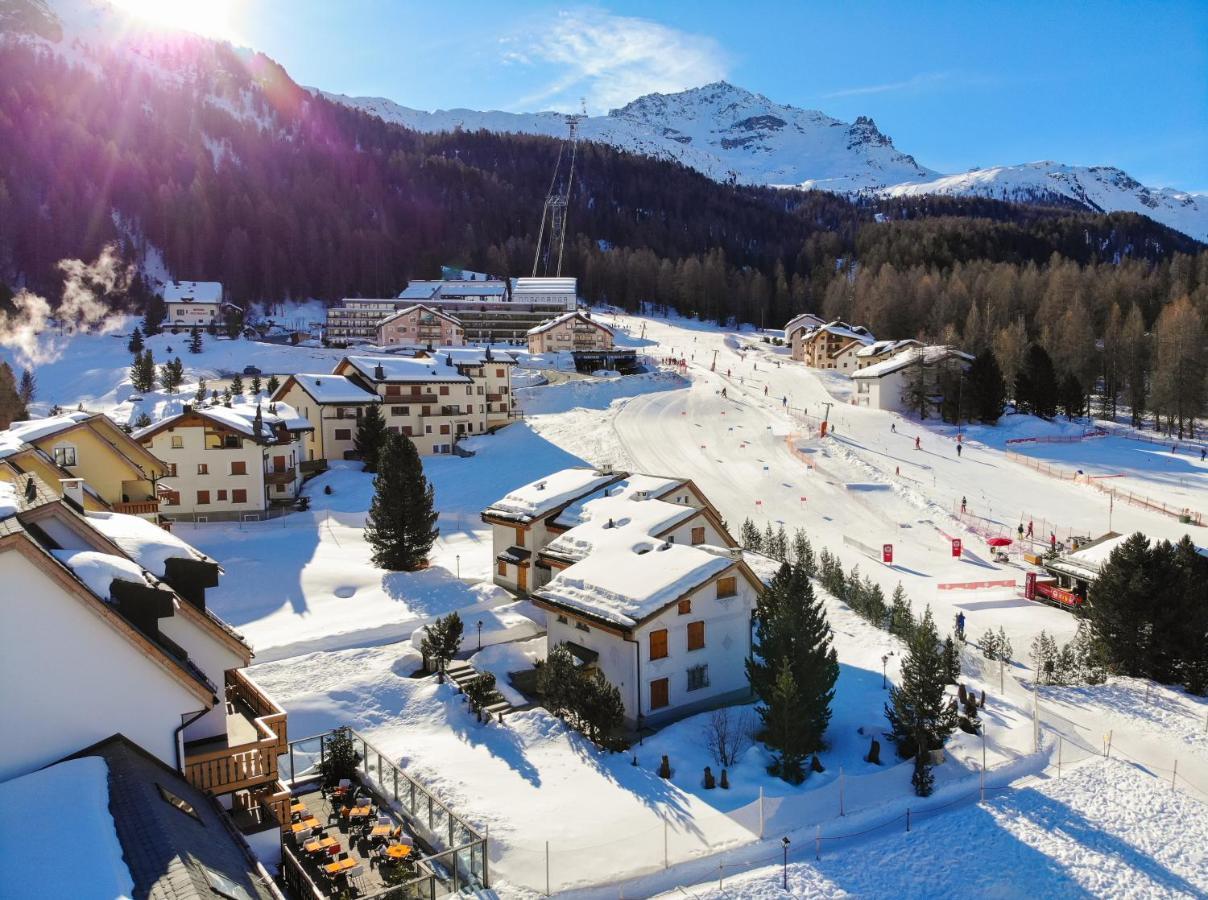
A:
376	834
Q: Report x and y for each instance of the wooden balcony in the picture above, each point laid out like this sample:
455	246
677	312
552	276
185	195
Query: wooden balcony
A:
246	756
280	476
138	508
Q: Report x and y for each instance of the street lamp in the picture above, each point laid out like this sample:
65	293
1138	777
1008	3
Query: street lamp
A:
458	566
480	634
785	842
884	665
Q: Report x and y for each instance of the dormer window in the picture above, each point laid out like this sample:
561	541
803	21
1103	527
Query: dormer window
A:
65	455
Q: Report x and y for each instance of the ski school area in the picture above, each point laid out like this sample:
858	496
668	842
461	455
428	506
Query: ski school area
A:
1069	791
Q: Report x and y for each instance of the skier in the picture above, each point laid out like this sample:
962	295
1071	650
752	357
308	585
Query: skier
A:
958	451
765	390
1203	453
960	626
897	470
784	401
963	506
1020	530
893	427
727	373
1053	541
918	443
1029	528
723	393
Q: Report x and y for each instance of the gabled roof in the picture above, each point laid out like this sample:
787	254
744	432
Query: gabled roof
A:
193	292
171	853
416	307
804	320
402	369
929	356
545	495
328	389
840	329
555	322
886	348
129	451
239	418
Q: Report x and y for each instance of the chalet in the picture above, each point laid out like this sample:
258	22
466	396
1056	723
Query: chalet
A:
88	454
420	326
884	384
334	405
573	331
879	351
115	636
798	326
190	303
228	462
831	346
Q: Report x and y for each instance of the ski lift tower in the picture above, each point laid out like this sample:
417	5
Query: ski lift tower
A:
550	246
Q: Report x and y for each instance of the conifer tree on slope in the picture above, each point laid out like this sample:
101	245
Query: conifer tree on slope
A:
920	715
195	340
370	437
791	629
401	525
11	407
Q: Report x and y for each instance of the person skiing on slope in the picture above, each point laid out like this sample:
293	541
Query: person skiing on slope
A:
784	401
893	427
765	390
723	392
1020	530
962	506
960	626
918	443
1053	541
1029	528
958	451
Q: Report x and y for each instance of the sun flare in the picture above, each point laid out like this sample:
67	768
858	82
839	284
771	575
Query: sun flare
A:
212	18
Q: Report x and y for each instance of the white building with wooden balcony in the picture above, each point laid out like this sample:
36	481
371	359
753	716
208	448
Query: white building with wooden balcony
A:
334	405
228	462
420	326
106	631
89	455
574	331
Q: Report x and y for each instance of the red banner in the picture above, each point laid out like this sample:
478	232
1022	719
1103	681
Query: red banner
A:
956	546
1058	595
887	553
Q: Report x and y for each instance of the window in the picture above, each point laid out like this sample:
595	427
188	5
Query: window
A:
232	442
444	390
178	442
203	469
444	429
519	536
203	497
343	434
727	587
562	619
696	635
658	644
222	495
698	677
180	803
171	470
499	373
427	429
399	411
659	693
171	498
239	495
502	568
238	467
685	606
393	390
65	456
223	886
582	626
698	535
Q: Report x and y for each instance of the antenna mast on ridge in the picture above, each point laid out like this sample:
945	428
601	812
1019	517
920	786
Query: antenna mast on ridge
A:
549	250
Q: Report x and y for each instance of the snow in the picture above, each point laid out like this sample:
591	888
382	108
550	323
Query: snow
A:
25	432
565	317
632	578
144	542
62	809
193	292
10	504
538	497
929	356
241	417
335	389
98	571
883	348
396	368
602	503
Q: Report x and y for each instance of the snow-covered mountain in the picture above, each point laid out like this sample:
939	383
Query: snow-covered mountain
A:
727	133
731	134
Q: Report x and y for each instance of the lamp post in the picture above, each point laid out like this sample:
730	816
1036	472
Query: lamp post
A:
785	842
480	634
458	557
884	665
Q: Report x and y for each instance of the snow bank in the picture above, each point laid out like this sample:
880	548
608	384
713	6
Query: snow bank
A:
9	503
57	838
98	571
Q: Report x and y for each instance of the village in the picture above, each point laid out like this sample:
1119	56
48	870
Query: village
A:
198	564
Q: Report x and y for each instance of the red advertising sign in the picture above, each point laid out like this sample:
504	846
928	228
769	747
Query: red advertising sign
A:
887	553
1029	585
956	546
1058	595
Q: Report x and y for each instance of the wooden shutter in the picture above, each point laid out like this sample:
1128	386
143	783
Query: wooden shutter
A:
659	694
658	644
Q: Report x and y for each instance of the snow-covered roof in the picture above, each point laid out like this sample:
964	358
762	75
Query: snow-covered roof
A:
929	356
419	306
9	504
35	804
456	289
30	430
764	567
886	348
843	330
335	389
144	542
240	417
555	322
615	518
545	285
545	494
475	356
406	369
193	292
804	320
1087	562
628	583
98	571
419	290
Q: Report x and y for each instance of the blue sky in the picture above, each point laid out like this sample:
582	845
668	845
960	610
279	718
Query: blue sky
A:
956	84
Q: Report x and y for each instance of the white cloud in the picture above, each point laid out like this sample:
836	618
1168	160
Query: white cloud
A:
611	59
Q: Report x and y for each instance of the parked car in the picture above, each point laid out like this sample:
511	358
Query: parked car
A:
251	370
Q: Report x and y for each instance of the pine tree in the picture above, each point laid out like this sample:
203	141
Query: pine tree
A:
986	386
901	616
920	715
750	537
1071	396
273	384
142	372
11	407
598	707
200	396
1036	385
135	344
256	385
916	393
952	661
171	374
783	727
370	437
768	540
237	385
803	553
556	680
29	387
401	525
195	340
441	642
1045	658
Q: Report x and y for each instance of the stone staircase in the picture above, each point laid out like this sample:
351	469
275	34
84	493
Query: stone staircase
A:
461	673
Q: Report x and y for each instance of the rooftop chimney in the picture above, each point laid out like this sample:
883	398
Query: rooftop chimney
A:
379	373
605	468
73	492
736	553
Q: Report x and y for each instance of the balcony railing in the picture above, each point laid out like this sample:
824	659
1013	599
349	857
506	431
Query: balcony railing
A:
248	764
138	508
281	476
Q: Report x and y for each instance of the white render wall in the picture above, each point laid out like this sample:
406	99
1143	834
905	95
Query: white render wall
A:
91	682
213	657
682	533
883	393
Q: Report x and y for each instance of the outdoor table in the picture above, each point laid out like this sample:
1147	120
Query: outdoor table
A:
321	845
340	865
398	851
297	807
381	830
357	812
312	822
